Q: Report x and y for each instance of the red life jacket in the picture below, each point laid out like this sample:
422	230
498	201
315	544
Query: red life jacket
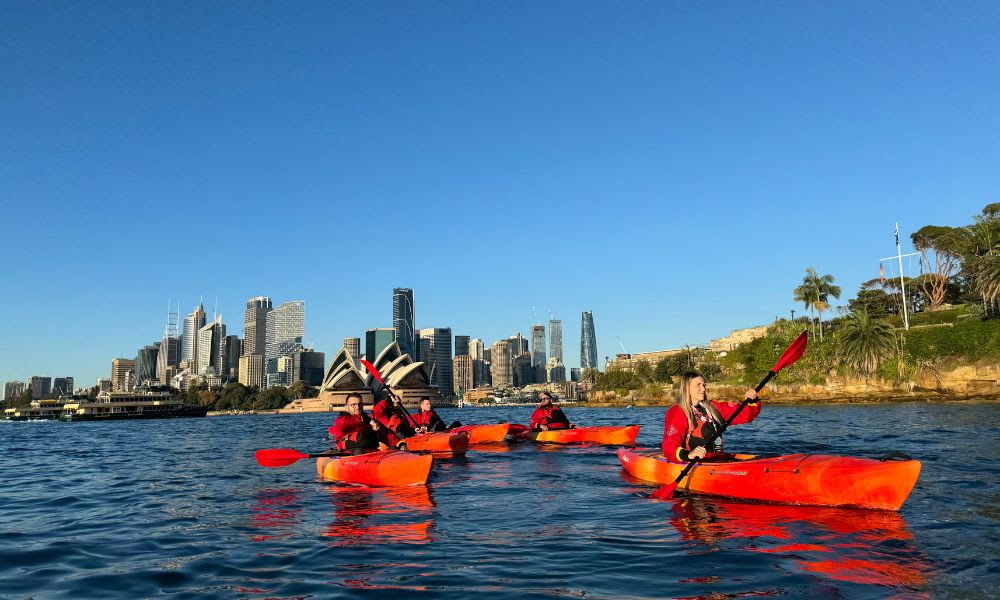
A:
347	427
549	415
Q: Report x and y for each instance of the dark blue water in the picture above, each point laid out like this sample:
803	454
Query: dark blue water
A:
179	508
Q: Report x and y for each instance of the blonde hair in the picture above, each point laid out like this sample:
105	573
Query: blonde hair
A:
684	400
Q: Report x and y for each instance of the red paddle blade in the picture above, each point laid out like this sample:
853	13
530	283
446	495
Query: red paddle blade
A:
516	429
664	493
793	352
371	369
278	457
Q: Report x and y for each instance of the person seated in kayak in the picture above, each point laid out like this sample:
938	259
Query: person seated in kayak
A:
691	422
390	419
549	416
352	431
427	420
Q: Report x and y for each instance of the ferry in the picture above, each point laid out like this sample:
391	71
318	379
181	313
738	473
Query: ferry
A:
108	406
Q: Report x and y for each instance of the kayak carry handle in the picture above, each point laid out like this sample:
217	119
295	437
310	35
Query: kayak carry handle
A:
895	456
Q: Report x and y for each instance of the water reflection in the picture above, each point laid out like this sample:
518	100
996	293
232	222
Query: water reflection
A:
276	512
857	546
373	516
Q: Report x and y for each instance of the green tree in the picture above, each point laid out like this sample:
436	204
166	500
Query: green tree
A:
866	342
815	293
946	246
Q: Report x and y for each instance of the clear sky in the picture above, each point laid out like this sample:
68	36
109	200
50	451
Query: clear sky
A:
672	166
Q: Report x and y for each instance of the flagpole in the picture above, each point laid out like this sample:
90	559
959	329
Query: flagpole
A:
902	285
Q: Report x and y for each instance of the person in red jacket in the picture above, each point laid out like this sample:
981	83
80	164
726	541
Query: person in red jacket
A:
426	420
548	415
691	422
352	430
390	419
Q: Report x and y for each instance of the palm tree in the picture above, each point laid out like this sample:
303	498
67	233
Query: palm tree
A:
988	278
815	293
866	342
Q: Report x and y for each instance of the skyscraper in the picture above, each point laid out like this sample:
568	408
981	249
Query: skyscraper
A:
40	386
555	339
307	366
477	351
376	340
169	356
518	345
353	347
252	370
11	390
438	361
255	325
463	370
285	330
211	348
403	320
189	339
231	358
461	345
588	342
122	374
501	363
145	363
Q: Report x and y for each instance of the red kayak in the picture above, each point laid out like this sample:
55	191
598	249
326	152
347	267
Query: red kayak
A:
611	435
444	443
810	479
387	468
484	434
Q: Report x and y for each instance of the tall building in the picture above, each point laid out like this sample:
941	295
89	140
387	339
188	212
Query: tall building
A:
13	389
233	350
574	374
403	320
145	363
168	358
255	325
189	339
211	348
308	366
122	374
477	351
463	374
538	346
251	371
103	385
285	330
518	345
501	363
436	342
588	342
555	340
461	345
377	340
62	386
353	347
555	371
524	372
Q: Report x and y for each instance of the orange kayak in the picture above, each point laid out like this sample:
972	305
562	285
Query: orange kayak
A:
388	468
809	479
444	443
612	435
484	434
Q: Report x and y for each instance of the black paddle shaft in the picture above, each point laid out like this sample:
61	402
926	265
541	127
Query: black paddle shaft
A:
722	429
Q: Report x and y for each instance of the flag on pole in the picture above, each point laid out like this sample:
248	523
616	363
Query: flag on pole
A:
897	235
881	272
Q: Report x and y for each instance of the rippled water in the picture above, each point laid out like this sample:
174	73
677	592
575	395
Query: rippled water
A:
180	508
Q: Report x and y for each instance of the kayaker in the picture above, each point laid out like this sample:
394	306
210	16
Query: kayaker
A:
352	431
694	419
549	416
390	418
427	420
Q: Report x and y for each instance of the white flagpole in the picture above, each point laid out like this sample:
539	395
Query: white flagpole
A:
902	285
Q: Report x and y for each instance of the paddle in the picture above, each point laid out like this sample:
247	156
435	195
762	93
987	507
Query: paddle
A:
282	457
791	354
371	369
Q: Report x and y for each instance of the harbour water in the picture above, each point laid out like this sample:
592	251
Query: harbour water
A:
180	508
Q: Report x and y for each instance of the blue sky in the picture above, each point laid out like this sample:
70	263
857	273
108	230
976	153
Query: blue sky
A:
672	166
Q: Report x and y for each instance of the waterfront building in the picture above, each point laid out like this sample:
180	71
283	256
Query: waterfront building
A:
285	330
574	374
538	352
104	385
122	374
145	363
464	379
403	319
255	325
501	365
40	386
233	350
62	386
308	366
588	342
13	389
353	346
251	370
737	337
556	339
377	340
461	345
211	347
189	339
436	342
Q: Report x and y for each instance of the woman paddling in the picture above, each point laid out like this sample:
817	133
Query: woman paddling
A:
694	420
549	416
352	431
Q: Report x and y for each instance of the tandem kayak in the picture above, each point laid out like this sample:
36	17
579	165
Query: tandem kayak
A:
612	435
808	479
388	468
484	434
444	443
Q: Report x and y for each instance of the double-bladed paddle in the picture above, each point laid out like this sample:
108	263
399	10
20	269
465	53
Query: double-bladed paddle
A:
791	354
282	457
371	369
